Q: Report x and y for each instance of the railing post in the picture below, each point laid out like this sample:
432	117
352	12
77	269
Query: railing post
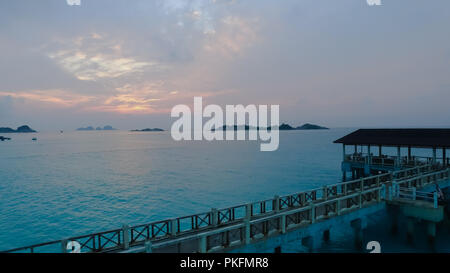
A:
126	236
338	206
248	211
173	227
283	223
435	200
214	217
414	193
202	244
303	199
325	193
361	185
247	231
390	194
276	203
313	214
148	246
360	199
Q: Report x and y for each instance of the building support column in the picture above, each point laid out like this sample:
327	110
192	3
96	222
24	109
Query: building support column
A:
434	156
444	157
399	156
344	178
409	153
343	152
380	151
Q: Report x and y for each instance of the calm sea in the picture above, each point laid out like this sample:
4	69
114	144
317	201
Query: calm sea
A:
76	183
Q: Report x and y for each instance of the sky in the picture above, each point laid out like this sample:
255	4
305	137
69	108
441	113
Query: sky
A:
337	63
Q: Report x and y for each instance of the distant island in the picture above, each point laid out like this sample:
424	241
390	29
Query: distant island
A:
282	127
2	138
21	129
90	128
148	130
306	126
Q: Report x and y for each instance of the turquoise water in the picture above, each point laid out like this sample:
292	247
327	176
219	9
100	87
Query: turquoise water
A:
80	182
77	183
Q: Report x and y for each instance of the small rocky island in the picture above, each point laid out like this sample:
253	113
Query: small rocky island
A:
148	130
306	126
90	128
282	127
21	129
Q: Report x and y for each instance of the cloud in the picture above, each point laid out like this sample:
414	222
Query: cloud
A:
98	66
59	98
93	57
234	35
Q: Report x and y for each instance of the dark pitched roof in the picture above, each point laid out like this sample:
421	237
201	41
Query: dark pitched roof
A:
425	138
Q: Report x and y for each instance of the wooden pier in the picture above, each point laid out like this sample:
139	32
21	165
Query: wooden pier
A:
404	184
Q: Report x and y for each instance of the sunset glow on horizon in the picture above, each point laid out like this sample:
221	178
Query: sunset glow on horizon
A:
131	61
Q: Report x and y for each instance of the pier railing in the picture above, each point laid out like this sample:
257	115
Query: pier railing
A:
390	161
248	221
413	194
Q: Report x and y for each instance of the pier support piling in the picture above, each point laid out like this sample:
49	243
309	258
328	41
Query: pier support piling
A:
326	235
393	213
357	226
311	243
202	244
431	232
410	230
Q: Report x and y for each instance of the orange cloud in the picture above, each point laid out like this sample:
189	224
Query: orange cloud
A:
56	97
